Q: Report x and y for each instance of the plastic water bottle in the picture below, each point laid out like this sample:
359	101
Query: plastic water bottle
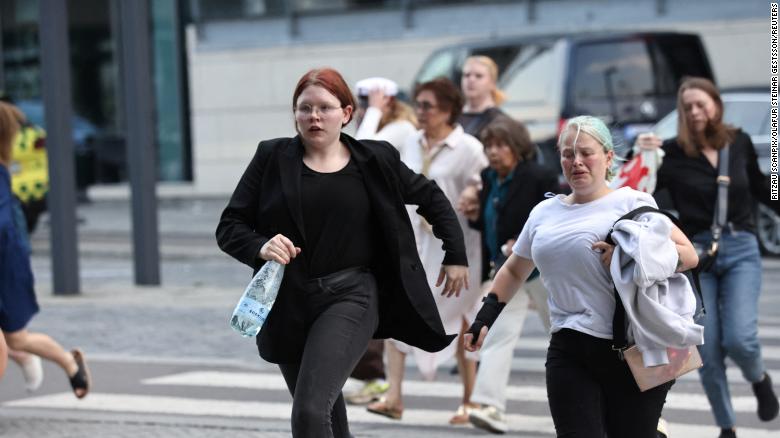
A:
259	296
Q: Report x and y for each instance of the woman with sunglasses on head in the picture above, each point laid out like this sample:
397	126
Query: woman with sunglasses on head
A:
381	115
591	391
442	151
732	285
332	209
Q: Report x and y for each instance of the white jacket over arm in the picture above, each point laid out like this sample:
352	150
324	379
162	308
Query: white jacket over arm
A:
659	302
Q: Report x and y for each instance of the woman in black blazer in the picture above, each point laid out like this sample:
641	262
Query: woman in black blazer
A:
332	209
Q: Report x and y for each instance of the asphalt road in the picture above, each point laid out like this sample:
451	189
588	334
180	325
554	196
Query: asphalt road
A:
166	364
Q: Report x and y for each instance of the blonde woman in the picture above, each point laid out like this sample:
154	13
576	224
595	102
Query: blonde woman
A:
480	90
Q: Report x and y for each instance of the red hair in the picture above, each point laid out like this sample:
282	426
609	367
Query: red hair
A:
330	80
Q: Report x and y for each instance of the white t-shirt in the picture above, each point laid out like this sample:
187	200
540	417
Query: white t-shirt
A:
558	237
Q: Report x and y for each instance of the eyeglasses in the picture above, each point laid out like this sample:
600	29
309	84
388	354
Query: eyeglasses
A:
423	105
323	110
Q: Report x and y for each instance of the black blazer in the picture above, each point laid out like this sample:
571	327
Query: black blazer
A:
526	189
267	201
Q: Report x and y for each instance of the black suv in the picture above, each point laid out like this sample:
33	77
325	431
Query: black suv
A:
628	79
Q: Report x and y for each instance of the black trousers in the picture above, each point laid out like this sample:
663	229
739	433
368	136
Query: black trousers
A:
592	393
343	310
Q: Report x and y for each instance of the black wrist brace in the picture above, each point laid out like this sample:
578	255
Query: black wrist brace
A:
486	316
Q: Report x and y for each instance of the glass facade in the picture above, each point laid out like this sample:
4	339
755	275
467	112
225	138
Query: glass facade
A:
98	125
170	92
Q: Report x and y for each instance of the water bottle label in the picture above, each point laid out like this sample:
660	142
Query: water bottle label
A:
252	309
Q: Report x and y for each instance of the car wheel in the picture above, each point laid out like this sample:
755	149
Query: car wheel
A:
768	230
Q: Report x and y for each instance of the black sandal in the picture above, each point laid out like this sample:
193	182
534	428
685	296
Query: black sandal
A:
81	381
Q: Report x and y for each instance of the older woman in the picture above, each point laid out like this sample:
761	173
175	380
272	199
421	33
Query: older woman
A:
332	209
512	186
591	391
453	159
731	287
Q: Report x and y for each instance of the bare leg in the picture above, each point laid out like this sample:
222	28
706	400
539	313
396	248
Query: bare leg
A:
391	405
467	368
3	356
43	346
396	361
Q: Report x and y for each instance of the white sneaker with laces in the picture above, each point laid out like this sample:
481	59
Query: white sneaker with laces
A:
488	418
32	370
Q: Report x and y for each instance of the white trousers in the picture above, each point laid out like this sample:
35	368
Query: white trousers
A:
496	354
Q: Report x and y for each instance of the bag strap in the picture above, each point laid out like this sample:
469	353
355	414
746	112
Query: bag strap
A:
722	202
619	338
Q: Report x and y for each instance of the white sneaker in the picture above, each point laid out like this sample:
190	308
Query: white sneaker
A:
488	418
33	373
663	428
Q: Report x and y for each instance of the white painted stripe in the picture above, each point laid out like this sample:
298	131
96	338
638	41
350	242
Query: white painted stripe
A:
768	331
768	319
278	410
536	365
525	393
764	332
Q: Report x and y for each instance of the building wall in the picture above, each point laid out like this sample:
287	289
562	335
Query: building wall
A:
242	73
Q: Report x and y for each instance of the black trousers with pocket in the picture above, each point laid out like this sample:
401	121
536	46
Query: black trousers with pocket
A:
592	393
343	310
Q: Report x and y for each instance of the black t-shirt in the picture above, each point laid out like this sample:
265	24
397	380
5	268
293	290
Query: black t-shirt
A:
474	123
337	220
692	183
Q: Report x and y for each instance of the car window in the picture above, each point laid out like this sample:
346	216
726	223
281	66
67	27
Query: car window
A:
611	70
528	79
752	117
440	64
502	55
677	56
666	128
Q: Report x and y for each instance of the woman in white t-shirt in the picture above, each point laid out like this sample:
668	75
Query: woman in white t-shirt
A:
591	392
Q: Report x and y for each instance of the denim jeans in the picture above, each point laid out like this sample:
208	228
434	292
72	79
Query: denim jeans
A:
592	393
343	310
730	289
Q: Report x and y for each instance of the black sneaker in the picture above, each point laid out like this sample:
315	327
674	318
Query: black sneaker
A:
767	400
727	433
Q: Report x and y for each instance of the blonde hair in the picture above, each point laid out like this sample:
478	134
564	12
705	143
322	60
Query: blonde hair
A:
498	96
10	117
398	111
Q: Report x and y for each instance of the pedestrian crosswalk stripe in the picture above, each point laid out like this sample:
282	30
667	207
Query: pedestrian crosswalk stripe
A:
769	352
536	365
525	393
152	404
